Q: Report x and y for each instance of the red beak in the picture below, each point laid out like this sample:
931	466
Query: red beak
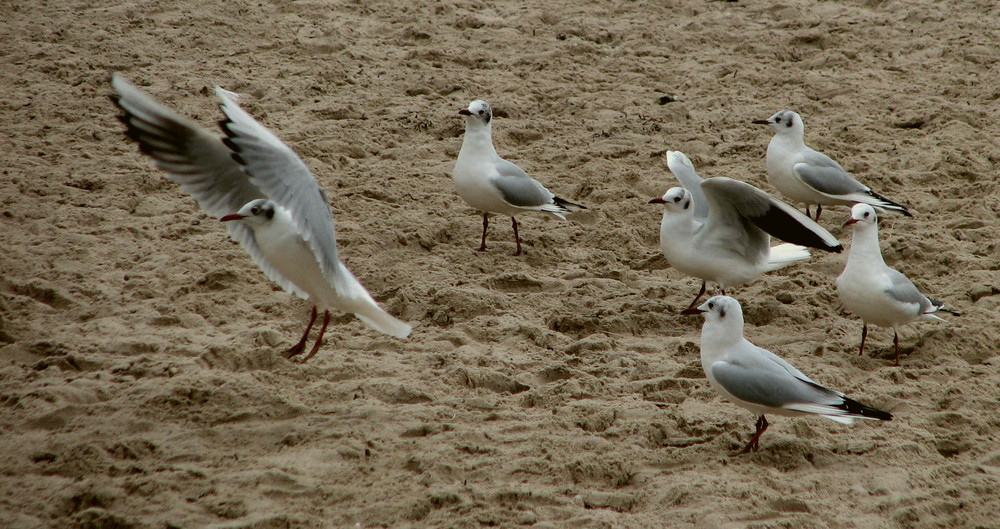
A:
658	201
692	311
850	221
233	216
761	122
465	112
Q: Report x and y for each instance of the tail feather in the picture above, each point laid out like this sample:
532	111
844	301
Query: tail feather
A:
785	254
938	306
567	206
354	298
845	412
887	204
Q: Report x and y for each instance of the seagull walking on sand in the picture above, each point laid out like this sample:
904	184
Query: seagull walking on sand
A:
720	229
493	185
759	380
270	201
876	293
808	176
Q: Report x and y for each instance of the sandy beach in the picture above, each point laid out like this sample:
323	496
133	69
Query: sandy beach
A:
141	380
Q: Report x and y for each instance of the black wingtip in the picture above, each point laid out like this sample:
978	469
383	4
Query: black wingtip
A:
231	144
889	204
856	408
566	204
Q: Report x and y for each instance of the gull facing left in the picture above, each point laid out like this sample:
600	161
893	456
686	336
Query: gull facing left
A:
759	380
809	176
270	201
491	184
720	229
876	293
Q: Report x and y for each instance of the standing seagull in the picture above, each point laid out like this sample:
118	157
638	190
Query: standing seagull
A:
251	177
874	292
719	229
805	175
759	380
493	185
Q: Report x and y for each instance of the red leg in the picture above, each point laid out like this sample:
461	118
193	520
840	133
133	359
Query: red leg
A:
517	238
864	335
301	346
319	339
895	342
819	209
808	214
486	222
694	302
754	443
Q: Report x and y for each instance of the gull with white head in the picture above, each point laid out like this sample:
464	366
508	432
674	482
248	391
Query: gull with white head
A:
491	184
874	292
759	380
809	176
720	229
271	202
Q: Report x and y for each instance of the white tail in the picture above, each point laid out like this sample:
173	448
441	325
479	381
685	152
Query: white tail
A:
355	298
785	254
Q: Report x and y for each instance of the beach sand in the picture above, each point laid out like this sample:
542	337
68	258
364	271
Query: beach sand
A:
141	380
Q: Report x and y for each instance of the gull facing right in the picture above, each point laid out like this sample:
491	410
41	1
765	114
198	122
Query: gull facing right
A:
759	380
805	175
491	184
720	229
874	292
269	199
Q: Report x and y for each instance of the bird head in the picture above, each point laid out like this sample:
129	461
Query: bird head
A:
479	112
256	211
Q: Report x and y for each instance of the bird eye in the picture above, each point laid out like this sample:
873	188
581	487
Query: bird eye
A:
481	112
866	214
711	306
255	210
677	199
777	120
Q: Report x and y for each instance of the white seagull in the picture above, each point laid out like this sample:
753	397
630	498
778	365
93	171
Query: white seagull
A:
493	185
874	292
759	380
282	217
720	229
808	176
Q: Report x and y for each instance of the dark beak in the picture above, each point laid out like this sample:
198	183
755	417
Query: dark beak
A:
692	311
658	201
761	122
465	112
233	216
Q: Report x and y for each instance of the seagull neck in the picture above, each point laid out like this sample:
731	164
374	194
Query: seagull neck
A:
719	337
479	139
865	246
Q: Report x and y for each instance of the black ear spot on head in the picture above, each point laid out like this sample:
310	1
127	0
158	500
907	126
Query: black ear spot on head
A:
687	204
269	213
722	313
789	123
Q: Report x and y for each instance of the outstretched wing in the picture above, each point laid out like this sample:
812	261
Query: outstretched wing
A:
198	161
284	178
683	170
733	204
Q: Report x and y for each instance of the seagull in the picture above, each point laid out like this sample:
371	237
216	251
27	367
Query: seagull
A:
720	229
493	185
876	293
759	380
805	175
270	201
